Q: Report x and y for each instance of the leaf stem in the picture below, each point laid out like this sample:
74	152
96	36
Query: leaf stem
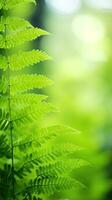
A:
10	118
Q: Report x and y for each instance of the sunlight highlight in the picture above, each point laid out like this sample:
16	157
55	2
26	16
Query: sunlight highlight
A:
103	4
64	6
88	29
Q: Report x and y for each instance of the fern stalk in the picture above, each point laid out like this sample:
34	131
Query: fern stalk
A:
10	118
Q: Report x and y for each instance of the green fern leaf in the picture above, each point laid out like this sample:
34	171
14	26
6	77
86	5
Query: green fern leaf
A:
31	113
60	167
45	154
5	150
9	4
26	114
21	100
27	82
13	24
58	129
23	59
3	85
27	99
74	163
20	37
47	185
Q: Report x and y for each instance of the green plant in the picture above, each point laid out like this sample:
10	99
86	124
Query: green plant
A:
33	160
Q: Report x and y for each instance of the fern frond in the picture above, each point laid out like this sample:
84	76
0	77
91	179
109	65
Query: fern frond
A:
31	113
74	163
40	139
60	167
22	99
58	130
43	135
3	85
23	104
45	154
26	114
4	124
28	81
5	150
13	23
9	4
47	185
20	37
28	99
23	59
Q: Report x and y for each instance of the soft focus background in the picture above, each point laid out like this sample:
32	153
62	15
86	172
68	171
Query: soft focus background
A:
81	46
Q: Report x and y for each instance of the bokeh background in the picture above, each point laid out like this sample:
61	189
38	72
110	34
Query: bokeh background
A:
81	46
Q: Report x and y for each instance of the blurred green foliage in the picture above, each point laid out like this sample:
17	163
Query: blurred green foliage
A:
81	45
